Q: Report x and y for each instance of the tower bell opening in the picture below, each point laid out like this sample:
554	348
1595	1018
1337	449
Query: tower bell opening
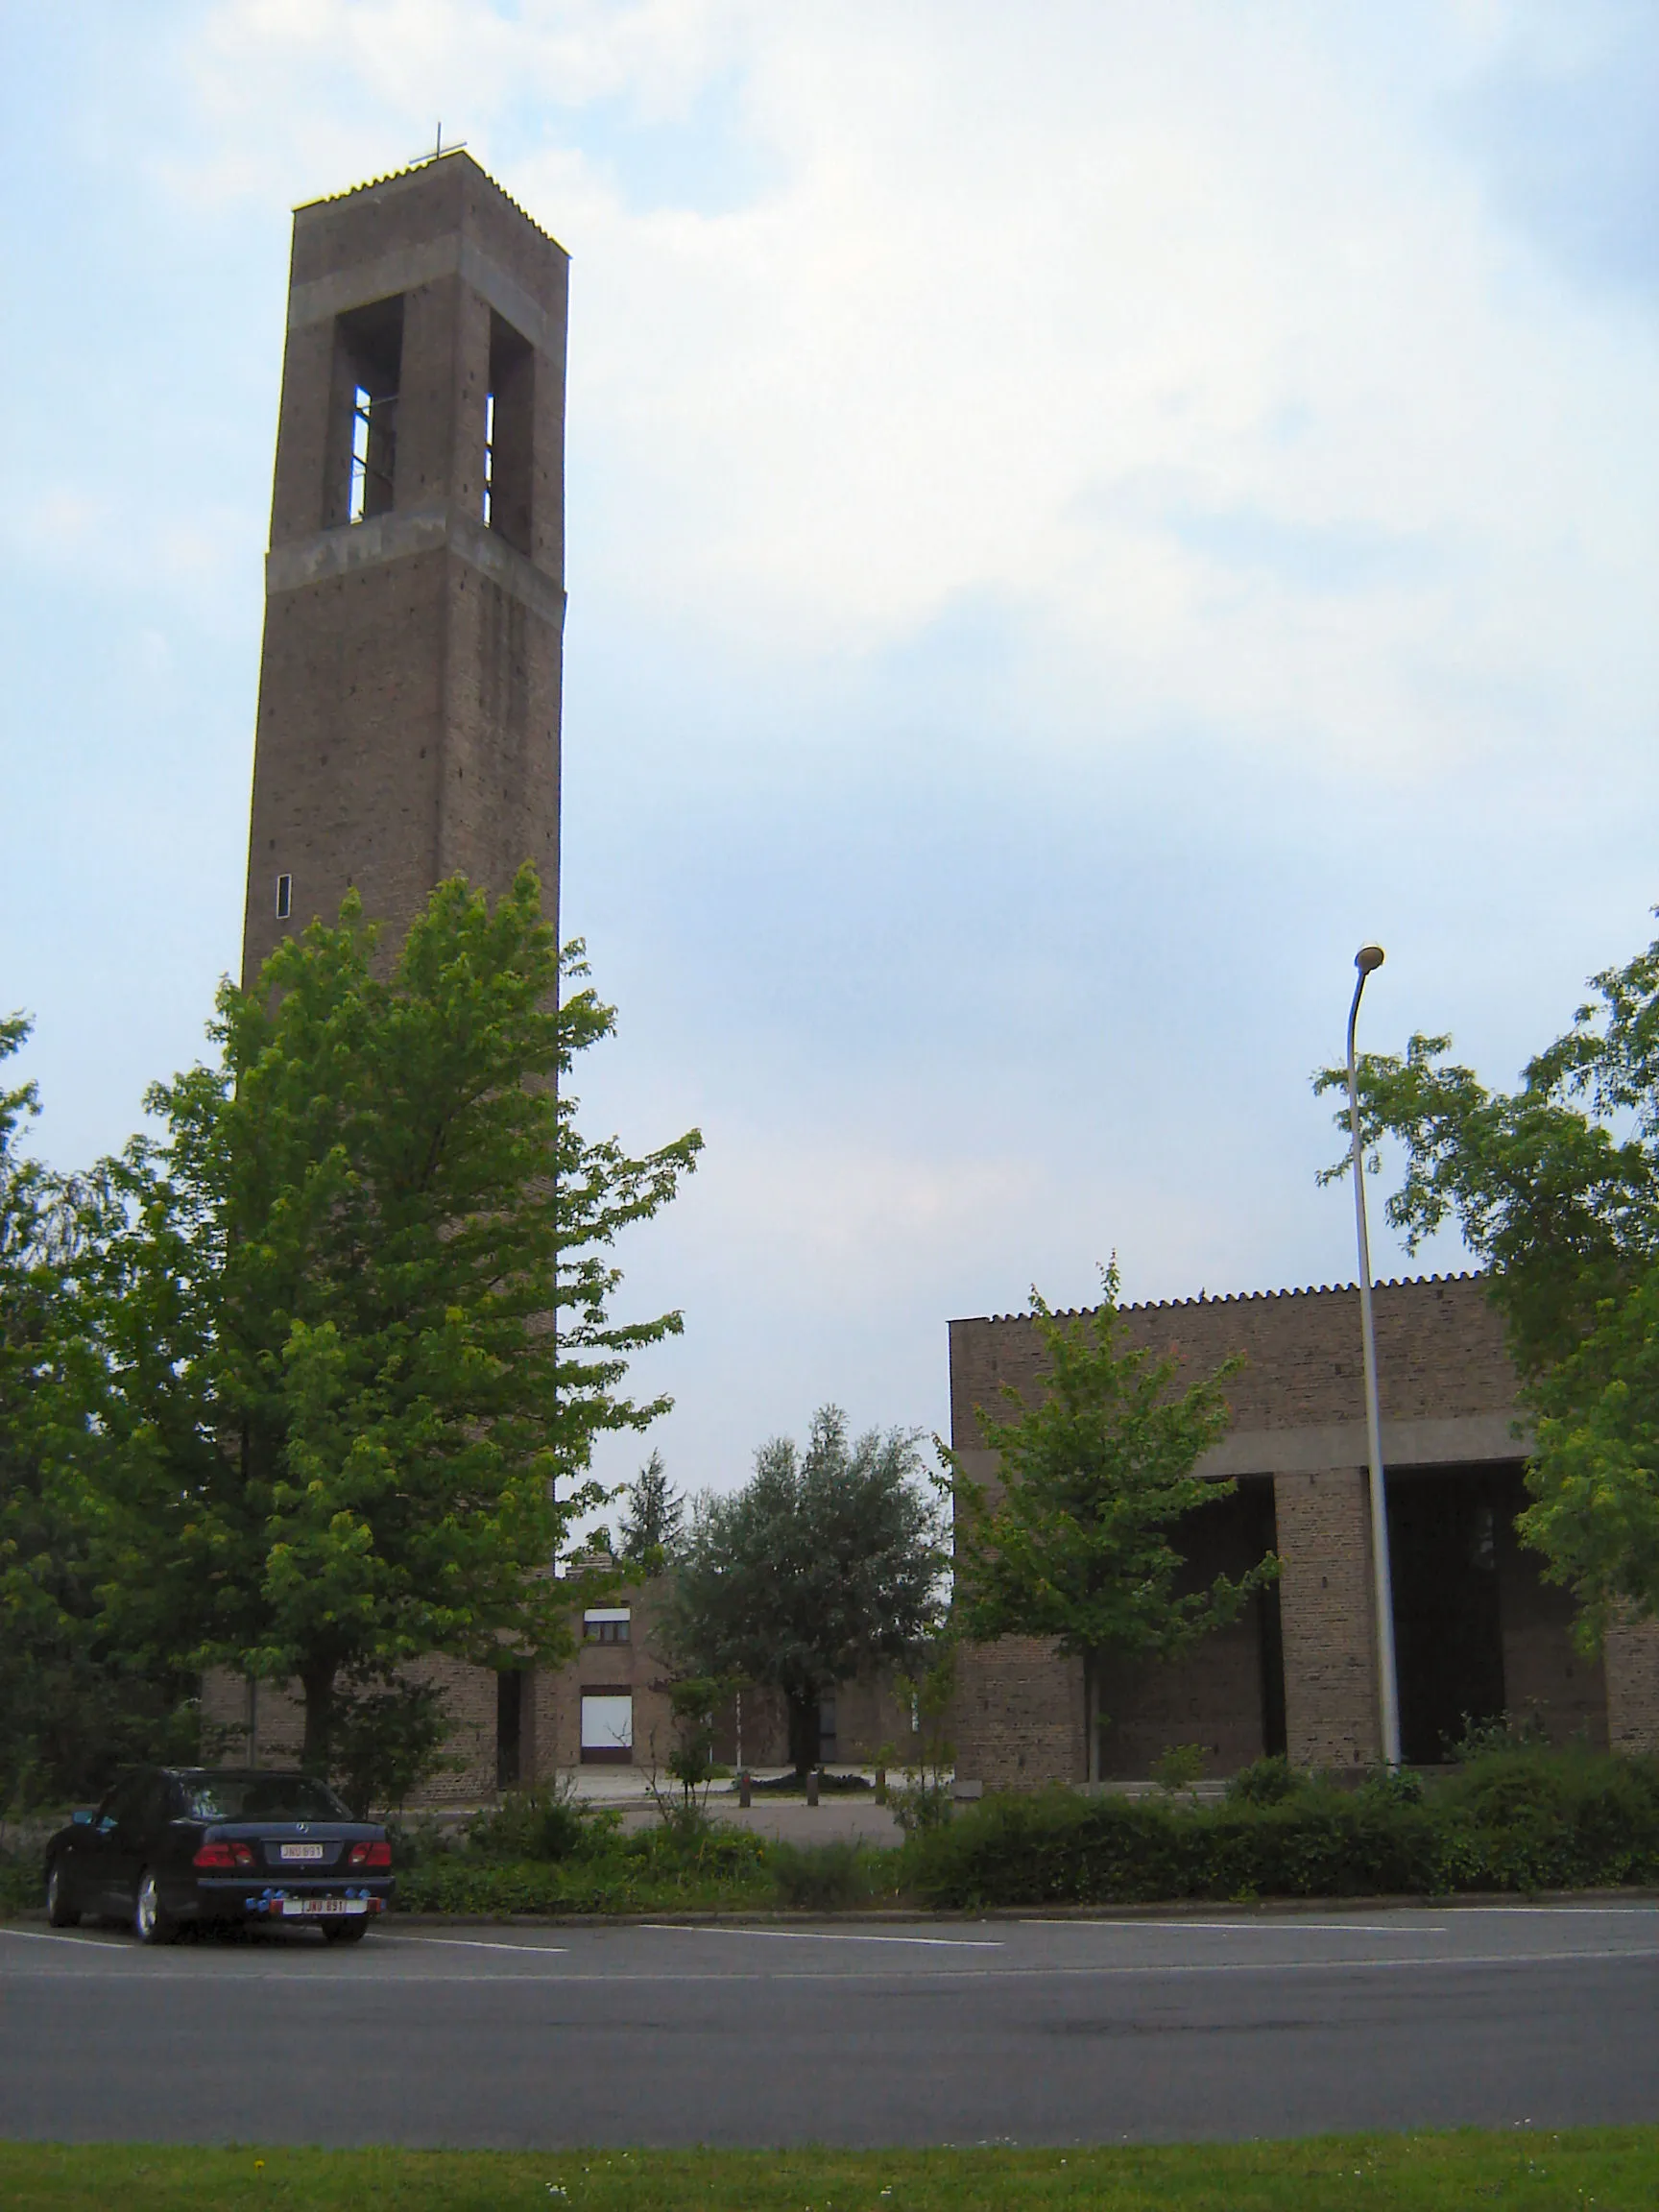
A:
368	370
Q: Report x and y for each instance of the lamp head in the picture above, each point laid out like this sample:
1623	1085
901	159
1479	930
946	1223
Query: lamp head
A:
1368	958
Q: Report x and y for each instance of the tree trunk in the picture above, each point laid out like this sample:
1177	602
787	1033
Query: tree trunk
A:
803	1737
317	1684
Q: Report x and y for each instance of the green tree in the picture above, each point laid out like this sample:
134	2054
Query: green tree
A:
73	1704
653	1525
826	1563
352	1310
1076	1541
1555	1188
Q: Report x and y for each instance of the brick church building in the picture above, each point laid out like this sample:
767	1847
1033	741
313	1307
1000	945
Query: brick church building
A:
1478	1631
409	728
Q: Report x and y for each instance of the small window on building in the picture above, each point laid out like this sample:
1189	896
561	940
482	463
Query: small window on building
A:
607	1727
608	1624
284	896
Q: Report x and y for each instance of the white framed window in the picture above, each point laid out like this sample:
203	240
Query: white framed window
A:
284	896
608	1624
607	1727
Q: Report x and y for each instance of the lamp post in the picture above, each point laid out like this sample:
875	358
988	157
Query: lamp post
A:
1368	958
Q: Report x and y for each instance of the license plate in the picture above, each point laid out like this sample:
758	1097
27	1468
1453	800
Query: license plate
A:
301	1850
310	1907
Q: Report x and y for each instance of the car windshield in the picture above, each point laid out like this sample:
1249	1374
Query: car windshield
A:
260	1797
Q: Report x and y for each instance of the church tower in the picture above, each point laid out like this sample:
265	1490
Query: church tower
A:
409	688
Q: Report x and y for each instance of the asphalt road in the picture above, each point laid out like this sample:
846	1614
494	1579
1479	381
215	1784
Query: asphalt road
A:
1027	2032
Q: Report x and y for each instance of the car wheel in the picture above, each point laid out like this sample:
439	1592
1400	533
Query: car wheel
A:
60	1913
151	1922
345	1931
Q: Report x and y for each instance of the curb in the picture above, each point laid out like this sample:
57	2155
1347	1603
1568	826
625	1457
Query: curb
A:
1170	1908
1173	1909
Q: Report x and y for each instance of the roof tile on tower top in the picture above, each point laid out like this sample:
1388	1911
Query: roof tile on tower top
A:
412	168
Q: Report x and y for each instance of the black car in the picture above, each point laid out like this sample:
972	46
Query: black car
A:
220	1844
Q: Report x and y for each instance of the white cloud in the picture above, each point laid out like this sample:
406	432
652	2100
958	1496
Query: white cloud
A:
1014	271
1078	513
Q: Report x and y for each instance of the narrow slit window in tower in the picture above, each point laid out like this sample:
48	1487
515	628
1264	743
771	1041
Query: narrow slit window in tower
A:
368	365
509	435
284	896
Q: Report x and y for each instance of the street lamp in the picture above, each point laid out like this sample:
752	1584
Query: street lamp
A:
1368	958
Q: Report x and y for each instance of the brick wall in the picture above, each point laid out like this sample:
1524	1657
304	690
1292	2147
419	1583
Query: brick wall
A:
1632	1666
1328	1618
1016	1721
409	695
1441	1361
1440	1355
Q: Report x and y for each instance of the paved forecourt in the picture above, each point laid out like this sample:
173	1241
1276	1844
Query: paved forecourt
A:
1226	2026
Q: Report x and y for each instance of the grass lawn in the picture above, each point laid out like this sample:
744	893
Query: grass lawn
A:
1610	2167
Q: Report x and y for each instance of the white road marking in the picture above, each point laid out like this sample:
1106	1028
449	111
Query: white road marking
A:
1253	1927
1584	1912
827	1935
489	1943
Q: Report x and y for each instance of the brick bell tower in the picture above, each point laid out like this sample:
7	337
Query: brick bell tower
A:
409	687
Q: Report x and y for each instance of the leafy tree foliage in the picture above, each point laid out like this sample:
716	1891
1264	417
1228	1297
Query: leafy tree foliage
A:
1076	1542
826	1563
654	1525
1555	1188
353	1312
73	1705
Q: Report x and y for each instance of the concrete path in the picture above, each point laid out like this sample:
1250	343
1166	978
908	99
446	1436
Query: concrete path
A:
788	1819
1037	2031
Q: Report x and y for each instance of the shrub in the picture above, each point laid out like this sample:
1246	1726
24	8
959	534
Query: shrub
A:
920	1804
1266	1781
550	1824
821	1877
1179	1766
830	1784
1392	1786
649	1871
22	1882
1513	1821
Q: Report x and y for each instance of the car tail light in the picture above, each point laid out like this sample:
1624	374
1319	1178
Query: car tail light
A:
225	1854
370	1855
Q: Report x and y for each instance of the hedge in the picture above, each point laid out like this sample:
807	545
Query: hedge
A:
1517	1821
654	1871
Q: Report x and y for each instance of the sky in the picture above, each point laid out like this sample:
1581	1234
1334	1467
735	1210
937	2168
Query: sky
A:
1079	516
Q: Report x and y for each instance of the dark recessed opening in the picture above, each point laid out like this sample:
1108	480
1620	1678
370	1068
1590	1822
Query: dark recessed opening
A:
508	1730
1444	1530
363	443
508	428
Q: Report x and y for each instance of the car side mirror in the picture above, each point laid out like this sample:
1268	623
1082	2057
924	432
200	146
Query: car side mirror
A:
83	1819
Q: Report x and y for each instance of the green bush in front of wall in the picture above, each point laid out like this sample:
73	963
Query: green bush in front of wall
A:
1516	1821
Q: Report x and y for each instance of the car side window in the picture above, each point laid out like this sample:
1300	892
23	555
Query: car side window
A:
155	1803
123	1804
